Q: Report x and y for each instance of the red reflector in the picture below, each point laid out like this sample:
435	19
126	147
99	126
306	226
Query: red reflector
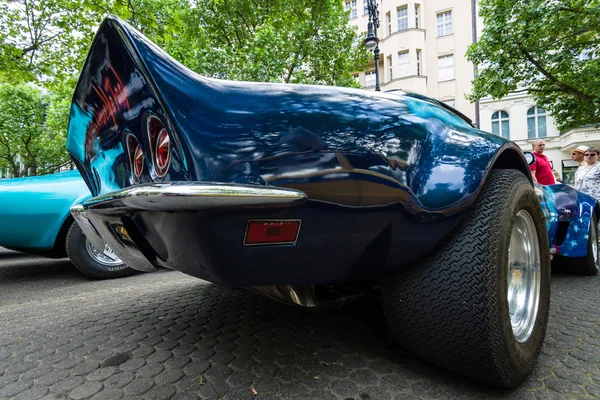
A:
280	231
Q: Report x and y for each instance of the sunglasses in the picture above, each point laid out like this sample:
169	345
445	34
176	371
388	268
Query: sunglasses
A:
591	154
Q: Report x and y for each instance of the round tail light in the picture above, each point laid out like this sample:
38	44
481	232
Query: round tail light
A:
160	143
138	163
163	152
136	158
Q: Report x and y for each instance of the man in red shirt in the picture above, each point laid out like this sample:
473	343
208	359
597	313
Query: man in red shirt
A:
541	168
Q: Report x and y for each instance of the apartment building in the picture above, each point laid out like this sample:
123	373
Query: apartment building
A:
422	46
422	49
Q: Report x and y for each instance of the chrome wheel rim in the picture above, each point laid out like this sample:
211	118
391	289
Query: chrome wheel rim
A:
524	276
107	257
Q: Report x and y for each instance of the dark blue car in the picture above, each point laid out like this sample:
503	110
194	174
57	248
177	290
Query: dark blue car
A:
305	193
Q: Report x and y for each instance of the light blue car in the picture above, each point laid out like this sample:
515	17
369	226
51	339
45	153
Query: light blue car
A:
36	219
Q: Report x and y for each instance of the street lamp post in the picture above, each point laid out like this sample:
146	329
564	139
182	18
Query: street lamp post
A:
372	40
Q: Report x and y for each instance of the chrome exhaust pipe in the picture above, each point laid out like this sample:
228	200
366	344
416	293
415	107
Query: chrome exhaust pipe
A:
312	296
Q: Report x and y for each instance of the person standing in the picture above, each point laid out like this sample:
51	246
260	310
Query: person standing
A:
541	170
577	154
587	176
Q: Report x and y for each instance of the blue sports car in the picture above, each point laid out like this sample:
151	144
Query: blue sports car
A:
36	219
572	224
305	193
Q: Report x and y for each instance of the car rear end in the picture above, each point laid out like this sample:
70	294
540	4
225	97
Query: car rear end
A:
250	184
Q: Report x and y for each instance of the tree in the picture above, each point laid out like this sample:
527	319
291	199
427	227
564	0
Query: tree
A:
24	134
302	41
549	48
43	40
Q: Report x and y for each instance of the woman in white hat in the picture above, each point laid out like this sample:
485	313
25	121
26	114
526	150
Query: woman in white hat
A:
587	176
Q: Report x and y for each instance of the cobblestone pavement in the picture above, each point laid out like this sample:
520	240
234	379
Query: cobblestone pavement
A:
169	336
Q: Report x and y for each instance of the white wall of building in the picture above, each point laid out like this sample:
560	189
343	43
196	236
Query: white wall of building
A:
416	35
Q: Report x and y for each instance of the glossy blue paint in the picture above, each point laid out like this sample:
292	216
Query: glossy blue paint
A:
387	175
32	209
417	152
563	204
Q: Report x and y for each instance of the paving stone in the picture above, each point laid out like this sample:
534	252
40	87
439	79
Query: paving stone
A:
108	394
177	361
33	393
293	391
344	388
239	394
33	373
160	393
85	391
8	378
185	396
142	351
14	388
101	373
564	386
138	386
52	378
202	354
150	370
67	384
115	359
69	363
21	367
119	380
169	376
159	356
132	364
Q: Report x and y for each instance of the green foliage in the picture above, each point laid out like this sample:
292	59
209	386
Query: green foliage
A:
302	41
24	132
538	45
45	42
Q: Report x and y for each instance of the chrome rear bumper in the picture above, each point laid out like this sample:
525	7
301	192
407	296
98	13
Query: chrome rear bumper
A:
101	218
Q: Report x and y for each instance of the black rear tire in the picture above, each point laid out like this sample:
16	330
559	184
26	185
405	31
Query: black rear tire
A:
587	265
453	309
82	260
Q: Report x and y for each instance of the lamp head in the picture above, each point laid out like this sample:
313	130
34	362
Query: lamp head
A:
371	41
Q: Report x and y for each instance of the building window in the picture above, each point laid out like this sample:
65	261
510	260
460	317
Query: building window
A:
402	18
369	78
388	19
365	7
403	65
446	68
351	5
417	12
500	125
536	122
444	23
418	62
390	71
